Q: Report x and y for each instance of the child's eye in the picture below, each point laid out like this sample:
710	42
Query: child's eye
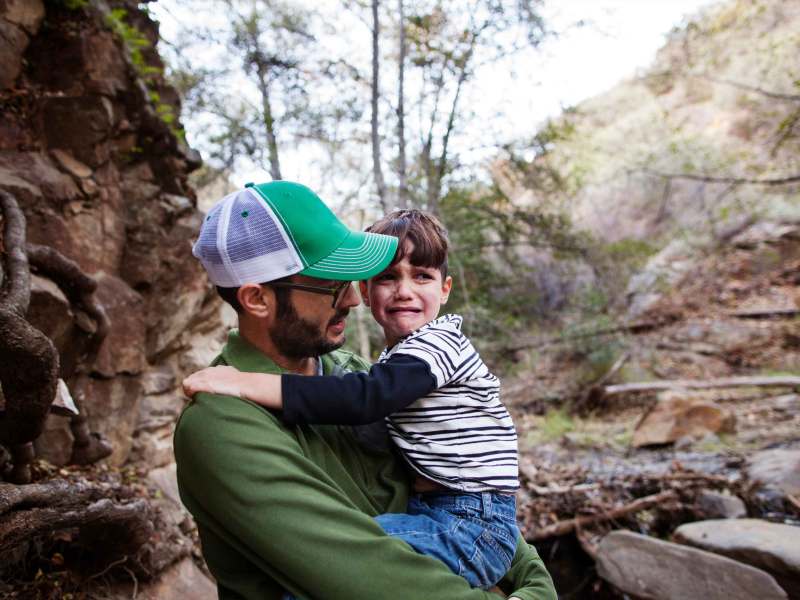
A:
384	277
424	275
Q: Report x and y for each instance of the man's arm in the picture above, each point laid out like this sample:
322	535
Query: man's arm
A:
528	579
288	517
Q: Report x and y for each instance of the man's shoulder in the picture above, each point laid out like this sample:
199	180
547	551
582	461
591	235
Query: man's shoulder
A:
211	416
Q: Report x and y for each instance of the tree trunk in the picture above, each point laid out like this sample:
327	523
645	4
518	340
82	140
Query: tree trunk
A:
269	123
435	186
377	169
402	192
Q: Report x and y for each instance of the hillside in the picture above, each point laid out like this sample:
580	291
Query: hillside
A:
679	148
679	383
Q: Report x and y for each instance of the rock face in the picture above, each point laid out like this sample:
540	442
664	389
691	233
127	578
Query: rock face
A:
102	178
649	568
677	416
773	547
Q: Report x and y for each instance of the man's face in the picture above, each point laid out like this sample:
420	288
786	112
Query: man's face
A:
307	324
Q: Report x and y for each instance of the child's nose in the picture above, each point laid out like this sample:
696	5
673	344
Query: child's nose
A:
403	288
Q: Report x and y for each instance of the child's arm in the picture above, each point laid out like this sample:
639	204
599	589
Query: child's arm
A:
352	399
356	398
261	388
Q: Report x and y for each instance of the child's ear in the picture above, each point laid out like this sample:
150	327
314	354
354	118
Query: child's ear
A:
257	300
362	287
447	285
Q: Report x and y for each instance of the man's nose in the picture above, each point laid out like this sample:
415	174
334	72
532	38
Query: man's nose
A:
350	298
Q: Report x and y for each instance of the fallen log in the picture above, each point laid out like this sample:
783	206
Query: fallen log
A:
790	381
568	526
764	313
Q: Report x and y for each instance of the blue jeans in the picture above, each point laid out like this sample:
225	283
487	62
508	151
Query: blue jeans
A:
474	534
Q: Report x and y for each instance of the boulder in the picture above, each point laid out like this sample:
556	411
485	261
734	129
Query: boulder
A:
777	469
13	43
80	124
181	581
41	174
166	480
677	415
55	442
71	165
123	349
158	380
113	409
650	568
721	506
106	71
772	547
28	14
50	312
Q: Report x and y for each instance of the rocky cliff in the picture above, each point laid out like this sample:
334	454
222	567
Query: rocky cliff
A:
93	153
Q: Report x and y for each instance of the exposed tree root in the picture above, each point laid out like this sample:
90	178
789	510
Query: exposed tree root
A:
112	523
28	360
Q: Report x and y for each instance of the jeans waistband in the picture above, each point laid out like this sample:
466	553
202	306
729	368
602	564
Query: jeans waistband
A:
489	503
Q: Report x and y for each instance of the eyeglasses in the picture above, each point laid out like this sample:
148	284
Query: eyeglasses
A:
337	291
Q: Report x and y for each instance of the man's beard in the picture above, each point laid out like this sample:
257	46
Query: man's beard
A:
296	338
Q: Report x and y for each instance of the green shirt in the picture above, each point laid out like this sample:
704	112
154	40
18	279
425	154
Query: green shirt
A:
291	508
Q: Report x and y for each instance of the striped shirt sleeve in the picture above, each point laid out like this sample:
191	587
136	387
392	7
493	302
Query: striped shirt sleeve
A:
440	345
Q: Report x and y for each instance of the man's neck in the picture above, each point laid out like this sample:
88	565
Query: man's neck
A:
302	366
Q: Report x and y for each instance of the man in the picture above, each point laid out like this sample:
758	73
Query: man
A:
291	508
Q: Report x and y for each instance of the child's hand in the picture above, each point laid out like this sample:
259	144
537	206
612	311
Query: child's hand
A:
225	381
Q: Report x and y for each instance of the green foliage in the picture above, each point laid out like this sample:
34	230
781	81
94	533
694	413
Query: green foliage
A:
495	275
555	424
632	251
75	4
136	43
133	39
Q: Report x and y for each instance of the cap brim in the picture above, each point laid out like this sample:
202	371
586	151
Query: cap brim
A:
360	256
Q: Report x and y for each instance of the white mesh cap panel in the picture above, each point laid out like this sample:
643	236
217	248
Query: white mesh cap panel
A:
242	242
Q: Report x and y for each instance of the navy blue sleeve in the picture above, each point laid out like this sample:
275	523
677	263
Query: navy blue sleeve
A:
356	398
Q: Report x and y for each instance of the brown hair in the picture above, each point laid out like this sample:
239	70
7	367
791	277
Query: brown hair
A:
422	229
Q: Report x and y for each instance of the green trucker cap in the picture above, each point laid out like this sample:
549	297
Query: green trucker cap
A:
271	230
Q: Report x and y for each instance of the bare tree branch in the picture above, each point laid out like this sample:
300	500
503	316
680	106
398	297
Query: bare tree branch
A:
728	180
377	169
402	192
750	88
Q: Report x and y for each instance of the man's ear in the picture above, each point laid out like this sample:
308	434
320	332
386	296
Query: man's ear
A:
364	289
256	300
447	285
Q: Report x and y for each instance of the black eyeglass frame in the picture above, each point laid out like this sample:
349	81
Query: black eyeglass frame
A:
335	291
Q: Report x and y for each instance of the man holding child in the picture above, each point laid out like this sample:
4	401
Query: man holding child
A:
289	498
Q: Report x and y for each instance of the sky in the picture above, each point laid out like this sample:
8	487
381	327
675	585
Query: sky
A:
618	38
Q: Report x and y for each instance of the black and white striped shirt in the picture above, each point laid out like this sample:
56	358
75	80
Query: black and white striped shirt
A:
441	404
460	434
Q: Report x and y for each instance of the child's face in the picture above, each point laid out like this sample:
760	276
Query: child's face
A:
405	297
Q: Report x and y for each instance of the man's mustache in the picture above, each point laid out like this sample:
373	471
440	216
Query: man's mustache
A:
340	314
